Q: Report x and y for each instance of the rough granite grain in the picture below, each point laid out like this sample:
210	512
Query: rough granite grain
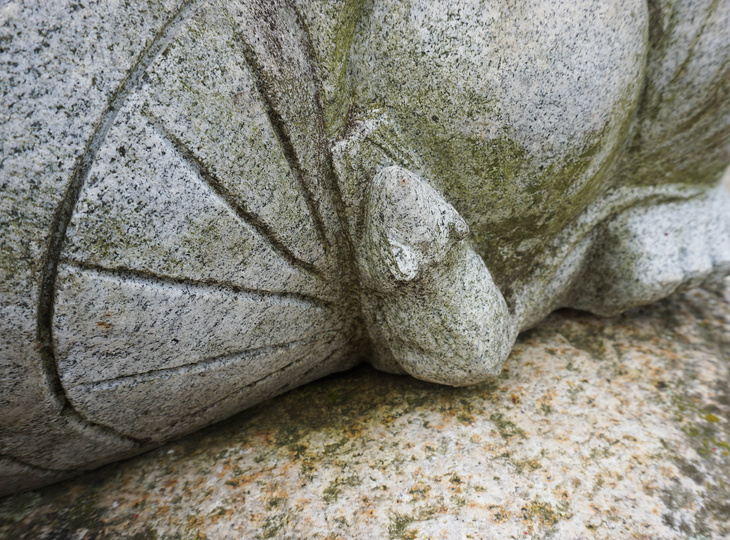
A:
208	203
597	428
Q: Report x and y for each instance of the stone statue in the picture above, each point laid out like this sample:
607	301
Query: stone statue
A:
207	203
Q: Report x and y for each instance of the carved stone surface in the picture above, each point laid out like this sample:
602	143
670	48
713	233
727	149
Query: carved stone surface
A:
205	204
597	428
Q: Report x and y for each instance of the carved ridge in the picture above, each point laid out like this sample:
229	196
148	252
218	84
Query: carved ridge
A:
283	388
283	136
201	365
158	279
64	213
16	461
209	178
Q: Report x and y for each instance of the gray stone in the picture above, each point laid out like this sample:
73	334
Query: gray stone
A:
207	204
596	428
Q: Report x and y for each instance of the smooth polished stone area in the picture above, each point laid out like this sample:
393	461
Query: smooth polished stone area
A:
597	428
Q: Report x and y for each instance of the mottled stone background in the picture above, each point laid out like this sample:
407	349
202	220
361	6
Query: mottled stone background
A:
597	428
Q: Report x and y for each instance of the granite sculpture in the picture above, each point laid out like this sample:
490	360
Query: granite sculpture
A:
207	203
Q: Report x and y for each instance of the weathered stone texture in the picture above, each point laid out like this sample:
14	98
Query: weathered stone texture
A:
597	428
207	203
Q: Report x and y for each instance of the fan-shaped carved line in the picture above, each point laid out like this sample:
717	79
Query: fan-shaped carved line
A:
283	136
150	278
213	183
64	212
695	41
15	461
286	386
330	176
221	360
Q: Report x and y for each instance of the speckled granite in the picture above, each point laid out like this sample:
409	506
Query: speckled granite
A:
204	204
597	428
